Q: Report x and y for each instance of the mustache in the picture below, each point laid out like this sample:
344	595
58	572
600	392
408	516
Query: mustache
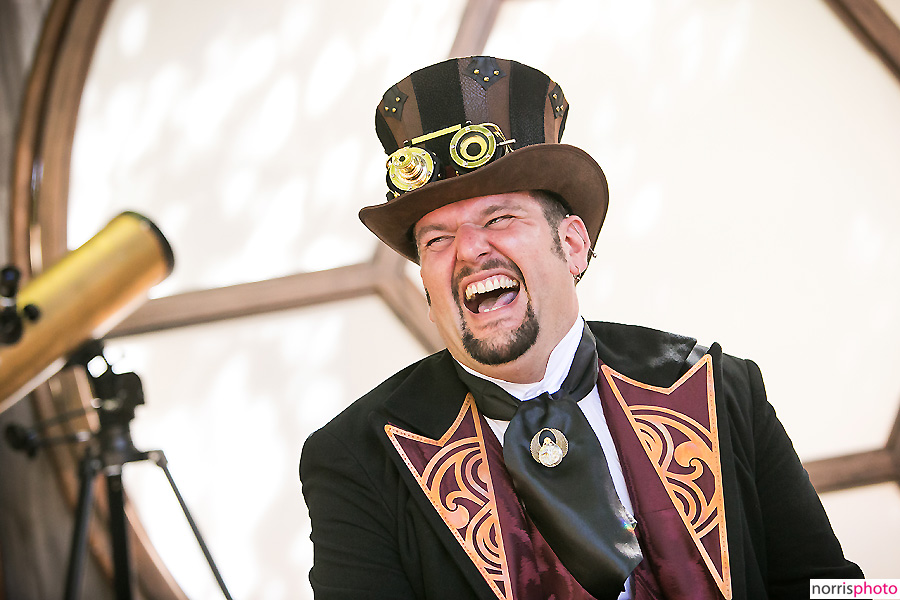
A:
493	263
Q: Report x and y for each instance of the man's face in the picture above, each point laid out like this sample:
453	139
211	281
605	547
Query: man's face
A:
500	281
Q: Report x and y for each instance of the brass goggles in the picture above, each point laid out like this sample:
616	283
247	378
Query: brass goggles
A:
471	146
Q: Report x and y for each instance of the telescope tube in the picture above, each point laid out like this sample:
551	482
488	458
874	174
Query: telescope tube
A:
83	296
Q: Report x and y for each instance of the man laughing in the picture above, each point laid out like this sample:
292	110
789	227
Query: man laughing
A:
541	455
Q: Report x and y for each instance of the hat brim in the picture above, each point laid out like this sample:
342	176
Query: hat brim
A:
558	168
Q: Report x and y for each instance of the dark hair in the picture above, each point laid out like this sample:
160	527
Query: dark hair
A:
555	210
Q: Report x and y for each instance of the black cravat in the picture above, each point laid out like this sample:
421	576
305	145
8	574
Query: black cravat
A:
574	503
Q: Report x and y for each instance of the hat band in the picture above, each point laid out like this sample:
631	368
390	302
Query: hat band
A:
471	147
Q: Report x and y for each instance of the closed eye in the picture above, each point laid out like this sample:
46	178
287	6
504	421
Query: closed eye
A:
437	242
498	220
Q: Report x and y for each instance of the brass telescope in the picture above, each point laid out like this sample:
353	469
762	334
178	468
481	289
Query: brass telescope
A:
83	296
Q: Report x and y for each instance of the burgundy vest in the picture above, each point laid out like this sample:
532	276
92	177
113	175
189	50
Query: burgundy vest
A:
667	443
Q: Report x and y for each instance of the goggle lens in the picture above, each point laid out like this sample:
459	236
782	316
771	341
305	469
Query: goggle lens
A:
471	146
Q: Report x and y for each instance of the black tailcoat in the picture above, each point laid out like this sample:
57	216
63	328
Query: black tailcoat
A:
376	535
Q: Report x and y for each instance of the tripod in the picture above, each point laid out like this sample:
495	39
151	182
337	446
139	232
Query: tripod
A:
108	450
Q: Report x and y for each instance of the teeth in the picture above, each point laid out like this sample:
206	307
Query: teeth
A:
490	284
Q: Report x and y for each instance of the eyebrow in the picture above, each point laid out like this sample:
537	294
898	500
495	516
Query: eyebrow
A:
488	210
417	235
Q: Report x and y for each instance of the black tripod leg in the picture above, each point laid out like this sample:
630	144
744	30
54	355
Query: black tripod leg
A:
160	459
119	533
88	469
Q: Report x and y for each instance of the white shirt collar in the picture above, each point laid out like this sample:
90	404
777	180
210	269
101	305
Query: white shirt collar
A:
558	366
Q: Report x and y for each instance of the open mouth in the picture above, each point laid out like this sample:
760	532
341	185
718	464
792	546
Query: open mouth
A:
491	293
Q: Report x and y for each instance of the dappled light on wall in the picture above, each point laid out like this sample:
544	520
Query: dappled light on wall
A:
244	131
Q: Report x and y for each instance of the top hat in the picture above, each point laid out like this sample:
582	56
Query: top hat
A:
477	126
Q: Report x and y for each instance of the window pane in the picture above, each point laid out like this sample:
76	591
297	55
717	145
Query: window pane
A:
245	130
231	404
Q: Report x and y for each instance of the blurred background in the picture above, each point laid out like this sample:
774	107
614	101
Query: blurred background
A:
751	148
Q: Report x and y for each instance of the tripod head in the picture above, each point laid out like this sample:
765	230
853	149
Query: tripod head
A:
117	395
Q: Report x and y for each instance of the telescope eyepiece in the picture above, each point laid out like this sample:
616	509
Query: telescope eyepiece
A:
9	282
11	321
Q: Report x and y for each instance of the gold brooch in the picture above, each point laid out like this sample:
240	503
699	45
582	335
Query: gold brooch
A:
549	448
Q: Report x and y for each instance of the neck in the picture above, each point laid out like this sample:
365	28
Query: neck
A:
525	369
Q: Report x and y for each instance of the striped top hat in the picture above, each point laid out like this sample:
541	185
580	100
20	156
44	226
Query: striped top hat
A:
477	126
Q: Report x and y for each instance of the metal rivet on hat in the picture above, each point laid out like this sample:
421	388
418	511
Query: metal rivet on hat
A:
393	102
557	101
480	65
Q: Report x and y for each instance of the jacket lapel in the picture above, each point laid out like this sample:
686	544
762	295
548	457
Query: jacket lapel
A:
454	474
668	442
434	434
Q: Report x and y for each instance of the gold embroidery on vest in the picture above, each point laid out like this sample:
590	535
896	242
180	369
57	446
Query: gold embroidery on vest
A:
703	513
467	503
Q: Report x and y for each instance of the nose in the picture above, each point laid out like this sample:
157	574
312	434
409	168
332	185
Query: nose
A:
471	243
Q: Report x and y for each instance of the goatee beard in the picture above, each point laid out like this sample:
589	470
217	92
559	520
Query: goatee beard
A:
498	353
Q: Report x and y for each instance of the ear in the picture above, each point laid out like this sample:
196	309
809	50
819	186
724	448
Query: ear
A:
574	238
